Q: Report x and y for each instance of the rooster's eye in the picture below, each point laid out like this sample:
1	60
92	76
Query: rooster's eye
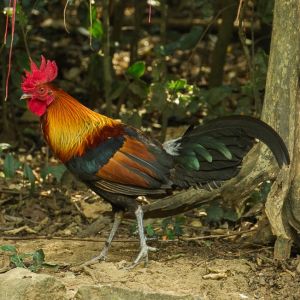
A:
41	90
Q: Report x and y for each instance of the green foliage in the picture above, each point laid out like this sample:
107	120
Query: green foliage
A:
32	261
216	213
28	174
169	228
172	227
215	100
177	85
150	231
138	88
57	171
96	29
136	70
185	42
175	97
260	195
260	63
11	165
265	10
21	15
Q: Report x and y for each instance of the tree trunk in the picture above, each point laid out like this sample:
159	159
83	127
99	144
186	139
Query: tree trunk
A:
107	66
229	9
281	110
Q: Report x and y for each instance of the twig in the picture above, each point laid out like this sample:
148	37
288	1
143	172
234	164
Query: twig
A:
212	236
65	10
248	57
207	28
25	238
18	230
25	42
13	18
217	236
91	23
13	192
6	25
237	19
150	13
6	200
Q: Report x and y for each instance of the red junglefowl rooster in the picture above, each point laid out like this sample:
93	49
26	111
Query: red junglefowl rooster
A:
120	163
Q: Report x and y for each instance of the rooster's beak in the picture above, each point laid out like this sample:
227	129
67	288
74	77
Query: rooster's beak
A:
25	96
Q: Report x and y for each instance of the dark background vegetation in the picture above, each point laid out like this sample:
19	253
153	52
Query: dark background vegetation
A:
155	65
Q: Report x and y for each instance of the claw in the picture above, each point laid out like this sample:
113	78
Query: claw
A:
143	255
103	255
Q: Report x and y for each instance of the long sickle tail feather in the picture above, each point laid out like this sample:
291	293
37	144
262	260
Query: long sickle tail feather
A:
214	151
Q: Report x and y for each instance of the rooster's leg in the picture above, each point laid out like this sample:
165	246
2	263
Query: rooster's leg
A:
102	256
143	254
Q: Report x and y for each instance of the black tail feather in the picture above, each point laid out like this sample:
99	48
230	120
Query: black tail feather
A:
226	140
251	127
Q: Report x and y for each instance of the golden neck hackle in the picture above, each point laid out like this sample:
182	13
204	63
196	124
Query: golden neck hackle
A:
69	126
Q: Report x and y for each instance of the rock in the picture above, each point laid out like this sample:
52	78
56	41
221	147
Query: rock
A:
22	284
93	292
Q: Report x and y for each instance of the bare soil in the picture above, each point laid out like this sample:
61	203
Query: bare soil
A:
217	270
203	264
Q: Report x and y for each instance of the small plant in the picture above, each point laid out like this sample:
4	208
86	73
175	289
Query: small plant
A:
172	227
32	261
168	229
11	164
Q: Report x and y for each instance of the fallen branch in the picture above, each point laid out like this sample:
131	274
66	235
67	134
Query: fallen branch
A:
217	236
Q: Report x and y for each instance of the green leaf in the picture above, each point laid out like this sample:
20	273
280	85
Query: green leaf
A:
117	90
136	70
149	230
216	95
231	215
178	226
158	96
265	10
56	171
28	174
38	257
214	213
17	261
185	42
8	248
177	85
10	165
132	118
170	234
139	88
96	30
21	15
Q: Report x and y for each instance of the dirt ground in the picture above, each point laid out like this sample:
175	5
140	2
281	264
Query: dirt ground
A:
217	270
208	268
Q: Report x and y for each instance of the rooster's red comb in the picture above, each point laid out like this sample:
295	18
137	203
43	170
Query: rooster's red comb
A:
46	73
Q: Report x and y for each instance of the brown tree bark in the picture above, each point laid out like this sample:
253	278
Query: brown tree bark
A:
229	10
281	110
